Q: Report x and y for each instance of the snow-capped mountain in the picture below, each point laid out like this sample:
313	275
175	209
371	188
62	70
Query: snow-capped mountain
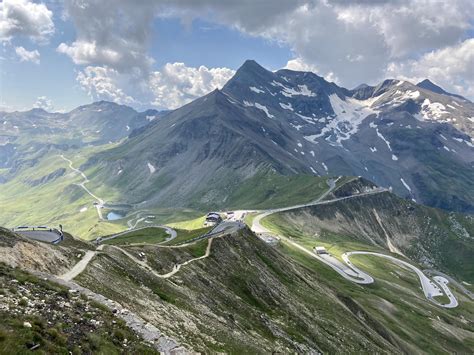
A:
399	135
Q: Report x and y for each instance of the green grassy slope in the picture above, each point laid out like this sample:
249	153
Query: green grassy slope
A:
272	191
427	235
148	235
395	300
253	298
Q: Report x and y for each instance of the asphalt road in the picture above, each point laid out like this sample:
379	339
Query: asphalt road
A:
459	285
430	288
100	202
40	235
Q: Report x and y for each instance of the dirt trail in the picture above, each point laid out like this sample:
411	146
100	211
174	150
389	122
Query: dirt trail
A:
176	268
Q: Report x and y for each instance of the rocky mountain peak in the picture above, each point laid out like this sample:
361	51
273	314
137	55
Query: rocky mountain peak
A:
429	85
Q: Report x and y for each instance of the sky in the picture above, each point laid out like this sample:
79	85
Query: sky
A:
161	54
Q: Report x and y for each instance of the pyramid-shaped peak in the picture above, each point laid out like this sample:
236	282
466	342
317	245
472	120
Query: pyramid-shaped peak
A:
427	84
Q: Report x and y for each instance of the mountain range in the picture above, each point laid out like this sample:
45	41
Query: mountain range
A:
415	139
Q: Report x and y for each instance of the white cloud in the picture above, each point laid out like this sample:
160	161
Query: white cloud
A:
104	83
355	40
298	64
44	103
110	33
451	67
173	86
346	41
27	56
176	84
25	18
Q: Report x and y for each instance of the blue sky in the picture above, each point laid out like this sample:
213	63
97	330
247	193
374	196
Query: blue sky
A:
58	55
55	77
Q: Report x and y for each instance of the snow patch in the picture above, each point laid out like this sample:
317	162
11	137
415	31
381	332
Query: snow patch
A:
443	137
151	168
405	184
312	153
257	90
349	114
83	209
127	128
446	148
432	111
324	166
300	145
312	138
297	127
306	118
260	107
314	171
290	92
373	149
150	118
383	138
286	106
394	157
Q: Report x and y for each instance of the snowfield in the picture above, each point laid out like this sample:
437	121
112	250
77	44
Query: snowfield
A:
349	114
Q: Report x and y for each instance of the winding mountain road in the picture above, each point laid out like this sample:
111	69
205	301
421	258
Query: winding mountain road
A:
220	230
430	288
100	202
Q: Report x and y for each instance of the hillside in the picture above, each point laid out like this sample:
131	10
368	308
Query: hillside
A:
432	237
247	296
44	317
236	293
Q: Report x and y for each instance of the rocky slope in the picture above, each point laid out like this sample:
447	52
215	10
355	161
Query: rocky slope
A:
44	317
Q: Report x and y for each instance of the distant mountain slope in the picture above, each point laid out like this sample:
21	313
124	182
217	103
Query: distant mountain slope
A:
396	134
25	137
429	85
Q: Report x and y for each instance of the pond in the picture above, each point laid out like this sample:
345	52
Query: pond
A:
112	216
